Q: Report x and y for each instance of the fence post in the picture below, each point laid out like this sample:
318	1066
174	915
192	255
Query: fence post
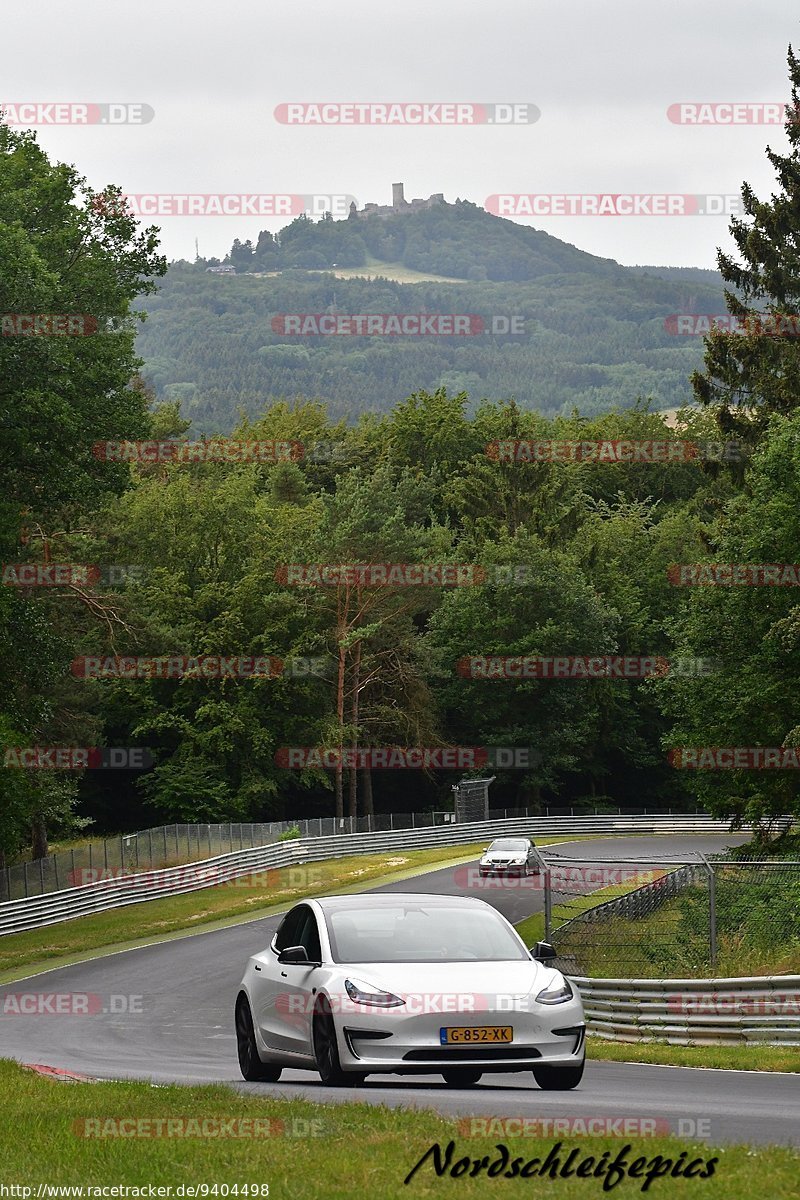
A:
548	903
712	913
712	909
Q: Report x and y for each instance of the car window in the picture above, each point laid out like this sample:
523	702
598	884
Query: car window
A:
299	928
309	937
413	933
290	927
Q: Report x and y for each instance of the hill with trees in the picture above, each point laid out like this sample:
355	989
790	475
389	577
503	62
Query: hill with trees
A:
562	329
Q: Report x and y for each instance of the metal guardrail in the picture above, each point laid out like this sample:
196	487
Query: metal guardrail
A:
34	912
762	1009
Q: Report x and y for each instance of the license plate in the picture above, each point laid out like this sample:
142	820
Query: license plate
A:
461	1035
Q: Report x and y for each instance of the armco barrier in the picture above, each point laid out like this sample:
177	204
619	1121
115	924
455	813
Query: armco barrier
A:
34	912
703	1011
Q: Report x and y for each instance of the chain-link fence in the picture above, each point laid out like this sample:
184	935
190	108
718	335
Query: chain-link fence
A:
728	915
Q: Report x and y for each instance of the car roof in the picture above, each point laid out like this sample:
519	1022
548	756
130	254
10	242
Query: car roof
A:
372	900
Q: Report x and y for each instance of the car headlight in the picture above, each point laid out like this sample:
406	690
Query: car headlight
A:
365	993
556	995
518	862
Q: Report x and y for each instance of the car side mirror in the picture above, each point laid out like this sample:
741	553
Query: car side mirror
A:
543	952
293	954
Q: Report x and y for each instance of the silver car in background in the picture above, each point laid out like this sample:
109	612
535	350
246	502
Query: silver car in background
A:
406	984
510	856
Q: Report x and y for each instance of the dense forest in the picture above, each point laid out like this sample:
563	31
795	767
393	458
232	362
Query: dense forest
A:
567	556
591	339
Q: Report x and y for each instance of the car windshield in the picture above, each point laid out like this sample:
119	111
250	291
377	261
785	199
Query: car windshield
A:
414	933
509	844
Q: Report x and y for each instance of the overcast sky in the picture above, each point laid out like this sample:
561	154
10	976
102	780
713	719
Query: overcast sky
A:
602	72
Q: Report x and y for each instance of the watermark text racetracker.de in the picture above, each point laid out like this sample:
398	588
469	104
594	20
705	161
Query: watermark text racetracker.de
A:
223	204
730	112
28	324
402	575
275	879
40	112
54	574
199	667
412	112
575	878
78	758
515	667
767	324
407	758
735	758
583	1125
214	1128
734	574
69	1004
420	324
213	450
613	204
620	450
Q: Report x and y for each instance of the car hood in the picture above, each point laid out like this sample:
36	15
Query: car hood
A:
518	978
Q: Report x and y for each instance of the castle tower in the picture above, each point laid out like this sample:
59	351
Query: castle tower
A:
398	200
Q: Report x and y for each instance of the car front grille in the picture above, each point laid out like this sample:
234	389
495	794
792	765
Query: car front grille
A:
454	1054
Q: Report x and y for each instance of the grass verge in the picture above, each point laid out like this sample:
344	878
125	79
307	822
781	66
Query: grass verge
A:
725	1058
306	1151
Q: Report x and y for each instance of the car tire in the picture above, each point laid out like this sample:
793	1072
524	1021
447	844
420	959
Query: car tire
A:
461	1077
558	1078
326	1049
251	1066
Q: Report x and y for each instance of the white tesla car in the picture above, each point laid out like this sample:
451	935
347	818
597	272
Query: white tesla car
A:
406	984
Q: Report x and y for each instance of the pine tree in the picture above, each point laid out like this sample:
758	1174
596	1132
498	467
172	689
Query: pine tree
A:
751	374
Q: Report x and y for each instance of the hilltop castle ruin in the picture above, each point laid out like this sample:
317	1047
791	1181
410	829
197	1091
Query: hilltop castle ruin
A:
399	204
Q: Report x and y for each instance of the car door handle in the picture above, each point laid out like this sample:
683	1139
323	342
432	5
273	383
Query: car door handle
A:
256	968
283	974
